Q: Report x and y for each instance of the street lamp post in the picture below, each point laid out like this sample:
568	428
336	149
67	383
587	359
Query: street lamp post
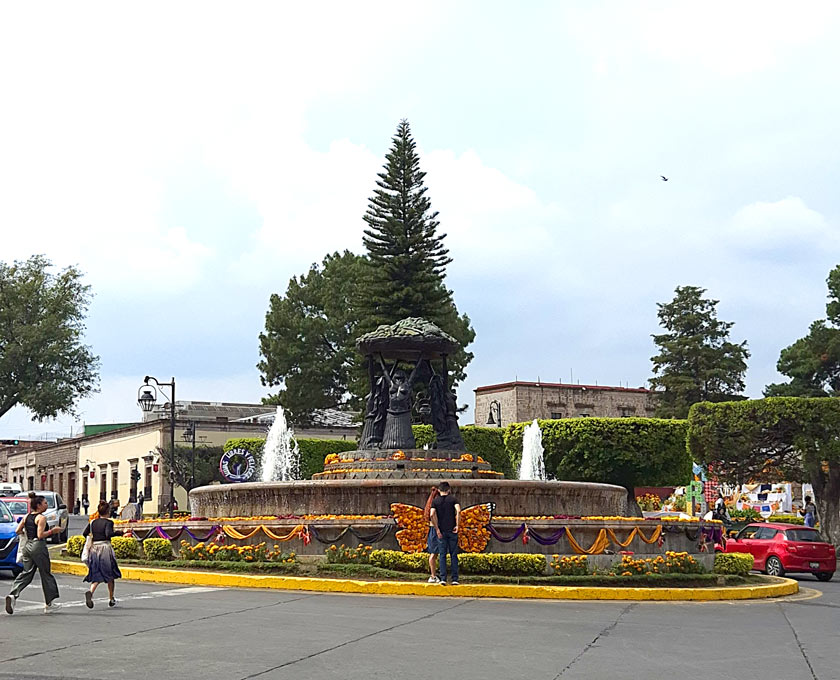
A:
189	435
495	407
147	398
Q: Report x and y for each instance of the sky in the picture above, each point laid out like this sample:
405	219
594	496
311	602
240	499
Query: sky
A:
190	158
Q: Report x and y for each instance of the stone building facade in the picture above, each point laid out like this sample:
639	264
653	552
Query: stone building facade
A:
523	401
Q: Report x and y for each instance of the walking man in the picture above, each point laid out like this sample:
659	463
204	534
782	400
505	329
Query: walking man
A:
446	516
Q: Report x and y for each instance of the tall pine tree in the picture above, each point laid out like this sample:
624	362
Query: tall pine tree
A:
407	259
696	360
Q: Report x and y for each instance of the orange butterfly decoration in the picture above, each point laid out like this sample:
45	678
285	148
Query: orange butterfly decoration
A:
414	530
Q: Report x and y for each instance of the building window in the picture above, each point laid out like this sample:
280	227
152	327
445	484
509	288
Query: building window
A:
147	486
60	482
556	415
103	486
52	482
583	415
114	483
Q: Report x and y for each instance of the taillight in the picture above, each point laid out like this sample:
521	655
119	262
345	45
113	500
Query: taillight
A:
790	547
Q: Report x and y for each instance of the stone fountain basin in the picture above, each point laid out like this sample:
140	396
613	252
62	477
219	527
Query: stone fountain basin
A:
375	496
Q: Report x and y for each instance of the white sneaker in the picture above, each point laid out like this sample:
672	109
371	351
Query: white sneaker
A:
51	607
10	604
433	579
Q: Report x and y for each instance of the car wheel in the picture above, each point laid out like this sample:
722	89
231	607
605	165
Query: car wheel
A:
824	575
774	567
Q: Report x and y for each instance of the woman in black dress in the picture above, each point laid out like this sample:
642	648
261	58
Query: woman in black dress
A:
102	563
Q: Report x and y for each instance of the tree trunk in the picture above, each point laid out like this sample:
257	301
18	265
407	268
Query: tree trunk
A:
827	497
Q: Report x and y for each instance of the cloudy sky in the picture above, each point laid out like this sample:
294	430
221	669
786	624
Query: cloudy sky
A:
190	158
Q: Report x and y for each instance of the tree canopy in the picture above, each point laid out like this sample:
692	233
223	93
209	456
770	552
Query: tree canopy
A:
308	344
406	257
773	439
696	360
44	365
813	363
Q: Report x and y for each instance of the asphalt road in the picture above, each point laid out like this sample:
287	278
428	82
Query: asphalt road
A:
189	632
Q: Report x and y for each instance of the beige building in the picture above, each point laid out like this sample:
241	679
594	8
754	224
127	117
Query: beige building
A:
99	465
519	401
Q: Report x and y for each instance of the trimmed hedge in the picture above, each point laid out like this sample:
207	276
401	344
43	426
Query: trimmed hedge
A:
75	545
510	564
312	451
739	564
157	549
629	452
125	548
486	442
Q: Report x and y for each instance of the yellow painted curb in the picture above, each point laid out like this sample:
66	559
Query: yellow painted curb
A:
329	585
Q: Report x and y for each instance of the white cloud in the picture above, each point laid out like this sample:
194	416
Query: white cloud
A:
787	225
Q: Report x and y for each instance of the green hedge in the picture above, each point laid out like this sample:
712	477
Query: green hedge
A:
126	548
312	451
629	452
158	549
733	563
511	564
486	442
75	545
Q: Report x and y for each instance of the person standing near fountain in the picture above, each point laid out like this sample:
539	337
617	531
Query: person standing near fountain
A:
432	541
446	517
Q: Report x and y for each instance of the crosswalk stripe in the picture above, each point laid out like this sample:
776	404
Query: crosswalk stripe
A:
174	592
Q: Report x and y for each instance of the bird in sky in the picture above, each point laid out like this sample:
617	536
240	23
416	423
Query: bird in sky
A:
664	179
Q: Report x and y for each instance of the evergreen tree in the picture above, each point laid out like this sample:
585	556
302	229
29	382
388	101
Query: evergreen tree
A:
696	362
407	259
813	363
308	346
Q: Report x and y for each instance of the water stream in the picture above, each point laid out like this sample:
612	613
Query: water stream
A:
533	464
281	456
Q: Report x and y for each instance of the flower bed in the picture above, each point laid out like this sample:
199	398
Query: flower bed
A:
214	552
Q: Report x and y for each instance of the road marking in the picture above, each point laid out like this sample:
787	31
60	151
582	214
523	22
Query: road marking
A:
174	592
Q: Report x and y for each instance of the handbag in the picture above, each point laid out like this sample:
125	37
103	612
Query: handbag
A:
88	545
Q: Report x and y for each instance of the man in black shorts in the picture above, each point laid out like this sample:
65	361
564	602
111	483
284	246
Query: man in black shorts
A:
446	515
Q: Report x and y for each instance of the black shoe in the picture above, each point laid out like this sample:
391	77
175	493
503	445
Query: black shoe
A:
10	604
455	583
112	603
89	599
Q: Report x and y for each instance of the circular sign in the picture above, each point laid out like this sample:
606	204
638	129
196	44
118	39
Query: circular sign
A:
238	465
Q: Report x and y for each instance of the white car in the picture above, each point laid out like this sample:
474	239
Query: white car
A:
56	513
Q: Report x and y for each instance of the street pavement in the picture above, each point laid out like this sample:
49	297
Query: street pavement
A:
197	632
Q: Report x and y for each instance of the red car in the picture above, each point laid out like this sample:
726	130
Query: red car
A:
19	507
780	548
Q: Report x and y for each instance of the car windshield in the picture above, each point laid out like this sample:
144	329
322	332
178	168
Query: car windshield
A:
804	535
17	507
5	514
50	498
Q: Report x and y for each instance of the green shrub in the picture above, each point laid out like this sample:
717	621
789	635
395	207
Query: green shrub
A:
312	451
629	452
400	561
487	442
747	514
75	545
512	564
788	519
125	548
157	549
739	564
